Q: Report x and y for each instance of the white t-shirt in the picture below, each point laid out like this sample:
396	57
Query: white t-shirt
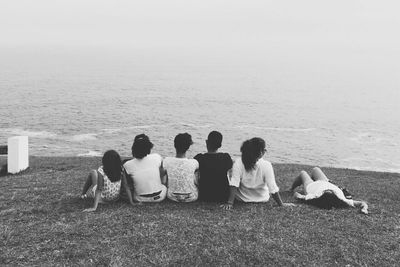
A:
145	174
317	188
255	185
181	174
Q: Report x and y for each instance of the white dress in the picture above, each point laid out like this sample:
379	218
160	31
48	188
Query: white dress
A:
317	188
111	190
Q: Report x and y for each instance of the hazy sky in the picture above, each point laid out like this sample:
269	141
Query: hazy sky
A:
206	23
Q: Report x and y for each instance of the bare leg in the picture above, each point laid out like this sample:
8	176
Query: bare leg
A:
91	180
303	179
318	175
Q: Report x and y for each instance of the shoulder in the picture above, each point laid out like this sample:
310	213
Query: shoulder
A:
154	157
129	163
226	156
265	165
198	157
167	160
194	162
238	162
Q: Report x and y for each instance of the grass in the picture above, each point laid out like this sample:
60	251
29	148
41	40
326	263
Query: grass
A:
42	223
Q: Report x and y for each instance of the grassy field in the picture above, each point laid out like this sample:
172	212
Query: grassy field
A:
42	223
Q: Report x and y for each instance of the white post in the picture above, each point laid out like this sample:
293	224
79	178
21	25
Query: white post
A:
18	155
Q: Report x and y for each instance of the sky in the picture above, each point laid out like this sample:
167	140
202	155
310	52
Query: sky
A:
206	24
342	40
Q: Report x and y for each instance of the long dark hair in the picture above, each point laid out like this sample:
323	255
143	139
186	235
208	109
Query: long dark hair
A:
112	165
252	150
328	200
141	146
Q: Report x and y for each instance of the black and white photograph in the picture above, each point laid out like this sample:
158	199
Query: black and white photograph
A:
199	133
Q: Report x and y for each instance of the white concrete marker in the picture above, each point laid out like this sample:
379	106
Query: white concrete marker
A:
18	154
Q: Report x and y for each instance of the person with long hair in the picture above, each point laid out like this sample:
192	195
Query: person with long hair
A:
145	170
104	184
320	192
253	178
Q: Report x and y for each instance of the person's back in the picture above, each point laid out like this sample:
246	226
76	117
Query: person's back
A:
213	168
213	182
145	173
145	170
181	176
181	171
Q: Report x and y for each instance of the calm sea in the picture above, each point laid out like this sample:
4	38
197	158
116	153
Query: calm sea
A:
341	111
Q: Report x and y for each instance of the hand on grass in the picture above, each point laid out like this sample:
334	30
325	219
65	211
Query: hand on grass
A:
89	210
298	195
288	205
227	206
364	208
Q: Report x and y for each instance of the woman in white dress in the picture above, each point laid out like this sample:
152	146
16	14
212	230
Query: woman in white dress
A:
320	192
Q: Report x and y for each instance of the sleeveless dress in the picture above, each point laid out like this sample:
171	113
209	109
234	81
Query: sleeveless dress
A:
111	190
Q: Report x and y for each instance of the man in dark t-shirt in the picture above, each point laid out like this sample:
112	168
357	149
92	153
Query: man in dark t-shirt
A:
213	167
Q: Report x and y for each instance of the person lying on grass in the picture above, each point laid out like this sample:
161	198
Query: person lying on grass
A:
253	178
320	192
104	184
145	171
181	172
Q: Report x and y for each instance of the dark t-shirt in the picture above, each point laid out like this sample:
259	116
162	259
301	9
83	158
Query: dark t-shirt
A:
213	182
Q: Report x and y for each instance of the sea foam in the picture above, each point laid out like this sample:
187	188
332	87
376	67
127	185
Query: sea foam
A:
84	137
90	153
29	133
281	129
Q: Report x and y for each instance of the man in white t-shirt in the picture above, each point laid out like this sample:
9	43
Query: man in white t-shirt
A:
145	170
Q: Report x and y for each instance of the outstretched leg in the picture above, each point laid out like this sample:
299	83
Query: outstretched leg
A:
318	175
91	181
303	179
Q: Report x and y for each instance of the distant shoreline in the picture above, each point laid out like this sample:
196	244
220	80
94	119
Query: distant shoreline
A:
89	160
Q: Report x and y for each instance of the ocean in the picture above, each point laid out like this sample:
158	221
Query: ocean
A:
340	111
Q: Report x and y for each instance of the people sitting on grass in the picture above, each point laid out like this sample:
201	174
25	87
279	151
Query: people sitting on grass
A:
253	178
145	170
181	172
104	184
213	170
320	192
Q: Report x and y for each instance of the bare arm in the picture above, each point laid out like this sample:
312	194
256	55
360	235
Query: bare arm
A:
297	195
277	199
126	187
232	193
196	177
163	175
97	196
